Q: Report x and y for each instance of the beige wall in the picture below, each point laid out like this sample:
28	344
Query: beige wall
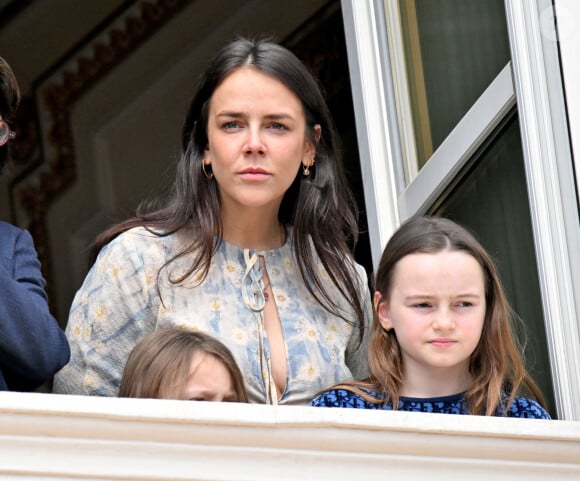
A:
126	126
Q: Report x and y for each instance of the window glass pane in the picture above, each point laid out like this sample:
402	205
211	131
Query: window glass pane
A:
490	198
453	50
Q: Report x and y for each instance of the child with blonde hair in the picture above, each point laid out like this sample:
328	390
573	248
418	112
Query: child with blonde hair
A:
442	339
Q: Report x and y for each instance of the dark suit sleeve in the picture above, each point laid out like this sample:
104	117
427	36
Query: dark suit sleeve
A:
32	345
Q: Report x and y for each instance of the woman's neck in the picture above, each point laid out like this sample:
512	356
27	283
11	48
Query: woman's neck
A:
256	230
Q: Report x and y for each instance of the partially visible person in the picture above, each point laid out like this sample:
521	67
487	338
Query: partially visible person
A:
32	345
171	363
442	341
253	245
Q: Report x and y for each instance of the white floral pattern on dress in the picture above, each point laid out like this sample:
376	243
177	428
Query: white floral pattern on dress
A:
118	304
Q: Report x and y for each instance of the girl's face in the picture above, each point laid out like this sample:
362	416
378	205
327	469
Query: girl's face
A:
437	309
256	140
209	380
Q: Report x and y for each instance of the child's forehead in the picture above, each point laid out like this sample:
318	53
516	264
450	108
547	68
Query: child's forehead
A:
433	266
437	257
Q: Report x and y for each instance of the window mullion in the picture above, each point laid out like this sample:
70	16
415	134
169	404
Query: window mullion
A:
375	120
548	199
467	136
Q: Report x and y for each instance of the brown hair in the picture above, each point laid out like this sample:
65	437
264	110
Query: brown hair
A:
496	365
159	364
9	91
9	99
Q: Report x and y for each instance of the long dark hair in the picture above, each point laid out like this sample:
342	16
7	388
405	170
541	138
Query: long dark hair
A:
320	208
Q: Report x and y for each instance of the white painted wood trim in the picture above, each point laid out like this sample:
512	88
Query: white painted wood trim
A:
374	126
401	89
568	17
548	201
56	437
458	147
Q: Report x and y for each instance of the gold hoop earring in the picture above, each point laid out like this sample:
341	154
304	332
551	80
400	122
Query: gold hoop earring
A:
306	168
209	176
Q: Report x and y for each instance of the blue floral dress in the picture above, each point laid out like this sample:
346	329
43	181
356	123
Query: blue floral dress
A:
454	404
123	298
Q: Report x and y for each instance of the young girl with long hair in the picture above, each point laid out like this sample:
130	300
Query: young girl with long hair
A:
442	339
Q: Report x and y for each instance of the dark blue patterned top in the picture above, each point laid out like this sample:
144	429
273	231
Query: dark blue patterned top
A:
454	404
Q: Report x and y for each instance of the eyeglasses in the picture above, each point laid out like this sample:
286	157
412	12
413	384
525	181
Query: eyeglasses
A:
5	133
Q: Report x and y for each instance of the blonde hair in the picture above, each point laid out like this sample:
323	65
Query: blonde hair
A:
159	364
496	365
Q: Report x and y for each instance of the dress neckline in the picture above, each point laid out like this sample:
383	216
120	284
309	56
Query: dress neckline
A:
287	241
448	397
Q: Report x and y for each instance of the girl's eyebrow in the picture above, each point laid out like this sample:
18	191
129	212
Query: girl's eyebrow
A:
468	294
419	295
431	296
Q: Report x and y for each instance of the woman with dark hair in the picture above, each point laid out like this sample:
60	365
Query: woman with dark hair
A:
252	246
32	345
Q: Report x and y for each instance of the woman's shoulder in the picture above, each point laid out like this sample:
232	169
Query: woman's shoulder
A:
142	233
357	271
362	276
523	407
146	243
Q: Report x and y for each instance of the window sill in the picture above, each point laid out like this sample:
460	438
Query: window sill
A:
48	436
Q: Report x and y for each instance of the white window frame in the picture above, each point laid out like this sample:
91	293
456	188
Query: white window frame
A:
536	87
567	14
459	146
550	175
375	118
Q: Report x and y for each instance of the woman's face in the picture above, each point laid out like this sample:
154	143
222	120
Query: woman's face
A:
256	140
